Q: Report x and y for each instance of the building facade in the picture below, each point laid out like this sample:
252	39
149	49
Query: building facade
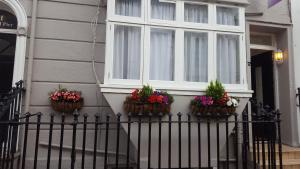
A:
106	48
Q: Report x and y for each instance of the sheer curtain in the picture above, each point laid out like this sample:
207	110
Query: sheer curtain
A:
127	52
228	61
163	10
162	54
195	13
227	16
128	7
196	57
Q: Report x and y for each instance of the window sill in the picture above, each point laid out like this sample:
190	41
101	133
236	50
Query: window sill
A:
184	91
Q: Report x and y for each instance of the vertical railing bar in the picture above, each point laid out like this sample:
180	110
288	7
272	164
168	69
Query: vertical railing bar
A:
237	140
199	140
73	151
118	139
8	142
15	129
208	145
139	141
179	140
253	148
106	141
227	144
218	143
61	141
25	141
50	140
263	152
95	141
149	139
279	139
269	153
85	116
37	140
170	142
274	153
189	141
128	140
159	140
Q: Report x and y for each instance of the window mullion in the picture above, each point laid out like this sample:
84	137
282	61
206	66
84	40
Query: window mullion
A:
180	11
212	56
146	65
179	55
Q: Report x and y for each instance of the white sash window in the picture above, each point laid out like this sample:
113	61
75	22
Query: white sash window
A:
174	44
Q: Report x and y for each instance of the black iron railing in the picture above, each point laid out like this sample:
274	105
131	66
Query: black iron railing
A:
170	141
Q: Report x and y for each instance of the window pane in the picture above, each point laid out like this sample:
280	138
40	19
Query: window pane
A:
127	52
128	7
228	59
162	54
195	57
227	16
195	13
163	10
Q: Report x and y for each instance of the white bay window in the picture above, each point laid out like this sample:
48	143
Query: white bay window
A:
174	44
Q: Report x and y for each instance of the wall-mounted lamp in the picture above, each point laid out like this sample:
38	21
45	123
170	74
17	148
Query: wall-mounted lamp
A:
278	56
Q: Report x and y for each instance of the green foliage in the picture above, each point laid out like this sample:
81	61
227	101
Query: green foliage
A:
146	91
215	90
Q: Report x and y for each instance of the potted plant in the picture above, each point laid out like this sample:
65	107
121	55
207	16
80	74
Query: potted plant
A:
64	100
147	100
215	103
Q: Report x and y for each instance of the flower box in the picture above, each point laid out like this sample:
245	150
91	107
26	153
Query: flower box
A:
146	108
66	107
145	101
213	111
215	104
65	101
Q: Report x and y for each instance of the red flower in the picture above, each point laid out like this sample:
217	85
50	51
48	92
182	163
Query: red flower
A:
152	98
135	94
160	98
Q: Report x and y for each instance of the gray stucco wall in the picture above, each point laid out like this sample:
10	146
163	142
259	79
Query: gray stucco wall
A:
279	13
63	55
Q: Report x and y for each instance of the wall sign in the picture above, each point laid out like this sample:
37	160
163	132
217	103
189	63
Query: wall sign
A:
7	20
272	2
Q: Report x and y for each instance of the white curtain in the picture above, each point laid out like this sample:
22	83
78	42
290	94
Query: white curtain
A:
195	13
163	10
127	52
128	7
196	57
228	61
162	54
227	16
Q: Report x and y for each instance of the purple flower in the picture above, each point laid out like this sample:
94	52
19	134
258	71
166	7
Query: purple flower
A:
166	99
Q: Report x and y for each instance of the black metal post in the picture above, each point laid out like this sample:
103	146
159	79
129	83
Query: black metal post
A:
85	116
95	140
37	140
25	141
73	151
61	141
50	141
118	139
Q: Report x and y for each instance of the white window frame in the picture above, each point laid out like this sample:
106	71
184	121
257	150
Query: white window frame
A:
180	26
110	55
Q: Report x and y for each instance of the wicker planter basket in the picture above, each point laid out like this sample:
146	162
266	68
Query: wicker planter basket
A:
145	108
66	107
213	111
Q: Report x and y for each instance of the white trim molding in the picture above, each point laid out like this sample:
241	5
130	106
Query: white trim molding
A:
21	33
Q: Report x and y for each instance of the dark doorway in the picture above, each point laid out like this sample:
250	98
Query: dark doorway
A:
7	56
262	75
